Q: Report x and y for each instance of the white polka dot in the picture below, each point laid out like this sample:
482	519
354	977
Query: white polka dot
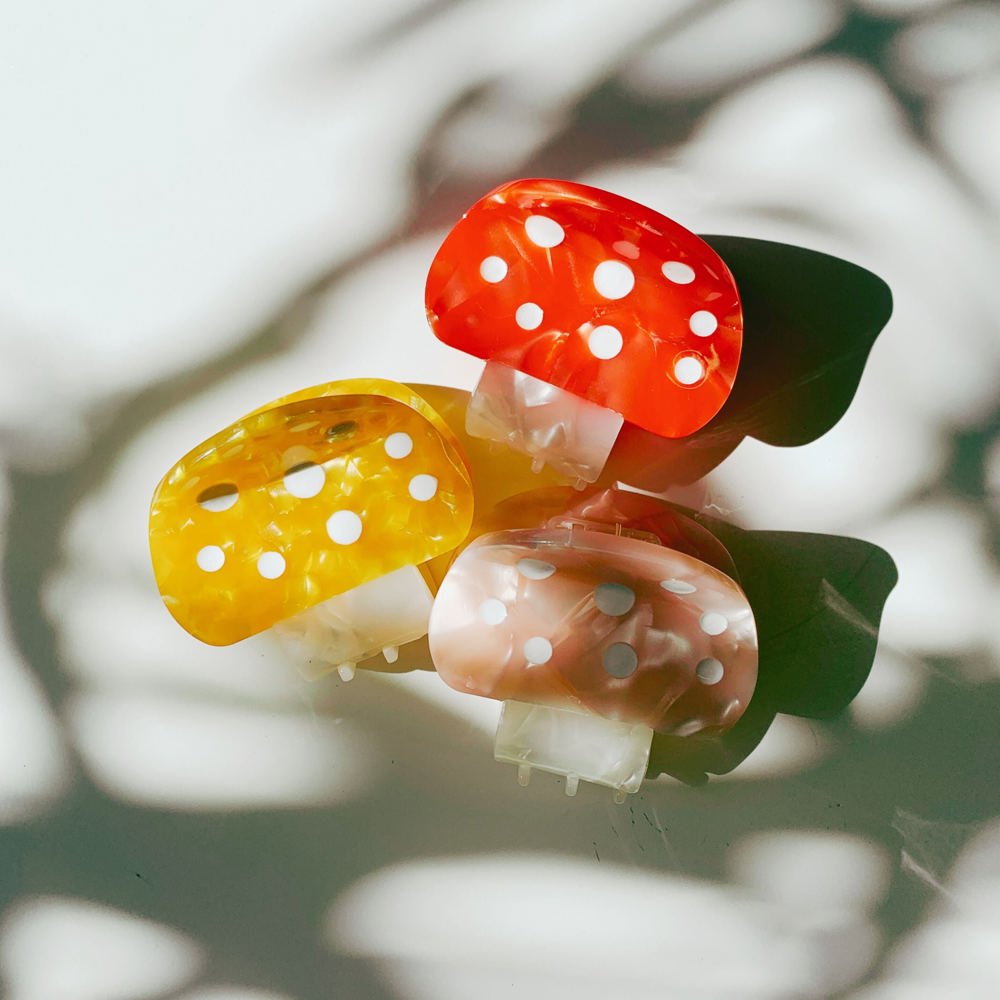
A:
344	527
626	249
614	598
613	279
218	498
678	273
712	623
535	569
211	558
307	426
423	487
492	611
544	232
271	565
528	316
709	670
398	445
678	586
537	650
605	342
620	659
493	269
305	480
703	323
688	370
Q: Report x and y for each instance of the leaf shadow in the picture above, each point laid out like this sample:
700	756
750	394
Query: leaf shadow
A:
817	601
810	322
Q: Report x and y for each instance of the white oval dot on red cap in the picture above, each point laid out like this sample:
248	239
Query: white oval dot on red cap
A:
614	598
423	487
398	445
217	498
543	231
271	565
210	559
678	273
605	342
529	316
344	527
305	480
493	269
676	586
613	279
535	569
620	660
689	369
712	623
710	670
537	650
492	611
703	323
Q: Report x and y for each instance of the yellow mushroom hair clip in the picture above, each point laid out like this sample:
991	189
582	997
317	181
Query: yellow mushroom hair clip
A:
314	515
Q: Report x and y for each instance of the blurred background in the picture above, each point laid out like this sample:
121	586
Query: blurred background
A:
206	205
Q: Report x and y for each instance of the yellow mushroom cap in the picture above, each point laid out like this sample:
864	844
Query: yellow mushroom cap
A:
304	499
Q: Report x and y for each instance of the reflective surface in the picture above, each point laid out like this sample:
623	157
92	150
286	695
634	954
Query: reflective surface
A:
594	294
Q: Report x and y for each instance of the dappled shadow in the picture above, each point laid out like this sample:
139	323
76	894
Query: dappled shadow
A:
253	885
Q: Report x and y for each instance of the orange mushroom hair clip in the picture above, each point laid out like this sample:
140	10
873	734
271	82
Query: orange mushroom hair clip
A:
590	310
314	514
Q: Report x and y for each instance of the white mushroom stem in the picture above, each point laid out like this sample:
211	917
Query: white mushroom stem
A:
373	619
577	745
571	434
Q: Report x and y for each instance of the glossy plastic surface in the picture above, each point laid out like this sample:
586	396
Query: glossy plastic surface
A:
594	294
657	520
610	624
554	427
577	744
497	473
613	511
302	500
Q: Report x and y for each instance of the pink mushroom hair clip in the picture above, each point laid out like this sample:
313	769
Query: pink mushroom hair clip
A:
595	633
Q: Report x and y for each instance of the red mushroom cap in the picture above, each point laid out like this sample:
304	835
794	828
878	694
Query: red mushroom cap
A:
594	294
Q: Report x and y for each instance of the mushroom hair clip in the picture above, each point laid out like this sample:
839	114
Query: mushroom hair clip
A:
314	515
611	620
590	310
